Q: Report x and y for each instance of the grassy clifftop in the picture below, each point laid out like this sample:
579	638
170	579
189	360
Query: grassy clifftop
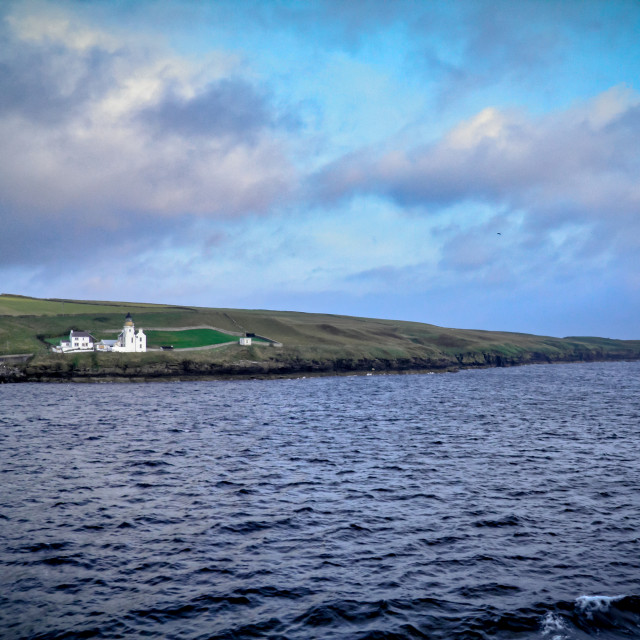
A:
320	343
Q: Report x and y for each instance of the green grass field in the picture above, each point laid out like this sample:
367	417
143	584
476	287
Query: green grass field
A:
188	338
56	340
30	325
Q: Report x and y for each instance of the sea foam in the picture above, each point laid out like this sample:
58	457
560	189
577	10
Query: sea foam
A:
553	627
591	604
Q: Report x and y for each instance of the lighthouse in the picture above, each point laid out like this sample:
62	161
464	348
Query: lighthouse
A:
129	340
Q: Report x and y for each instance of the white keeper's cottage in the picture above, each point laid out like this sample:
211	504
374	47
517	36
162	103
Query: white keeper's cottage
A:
78	341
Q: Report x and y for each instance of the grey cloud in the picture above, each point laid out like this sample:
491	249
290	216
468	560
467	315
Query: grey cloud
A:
78	240
573	174
230	107
499	41
48	82
387	275
506	159
512	37
81	167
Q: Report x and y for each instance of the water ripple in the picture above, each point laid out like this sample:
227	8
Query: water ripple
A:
486	504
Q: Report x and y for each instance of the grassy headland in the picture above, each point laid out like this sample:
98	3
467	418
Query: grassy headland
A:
311	343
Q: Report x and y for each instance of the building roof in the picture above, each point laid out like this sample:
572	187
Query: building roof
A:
81	334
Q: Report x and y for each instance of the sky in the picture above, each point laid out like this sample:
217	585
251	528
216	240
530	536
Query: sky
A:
471	164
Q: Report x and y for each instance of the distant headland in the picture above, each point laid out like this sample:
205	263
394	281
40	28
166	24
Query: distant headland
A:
187	343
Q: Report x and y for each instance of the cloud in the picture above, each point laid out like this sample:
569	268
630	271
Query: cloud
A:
104	136
47	80
577	166
230	107
560	189
550	50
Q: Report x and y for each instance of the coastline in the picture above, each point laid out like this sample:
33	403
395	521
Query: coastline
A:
298	344
187	370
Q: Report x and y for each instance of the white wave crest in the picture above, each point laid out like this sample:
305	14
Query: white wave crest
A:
590	604
552	624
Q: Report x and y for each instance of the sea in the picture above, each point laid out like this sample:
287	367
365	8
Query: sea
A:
498	503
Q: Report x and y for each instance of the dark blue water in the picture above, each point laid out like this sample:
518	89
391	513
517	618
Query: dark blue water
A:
502	503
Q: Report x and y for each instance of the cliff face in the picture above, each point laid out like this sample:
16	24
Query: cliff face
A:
185	368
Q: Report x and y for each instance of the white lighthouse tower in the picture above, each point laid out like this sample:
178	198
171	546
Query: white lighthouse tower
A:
129	340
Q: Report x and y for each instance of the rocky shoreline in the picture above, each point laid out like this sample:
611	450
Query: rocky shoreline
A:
188	369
